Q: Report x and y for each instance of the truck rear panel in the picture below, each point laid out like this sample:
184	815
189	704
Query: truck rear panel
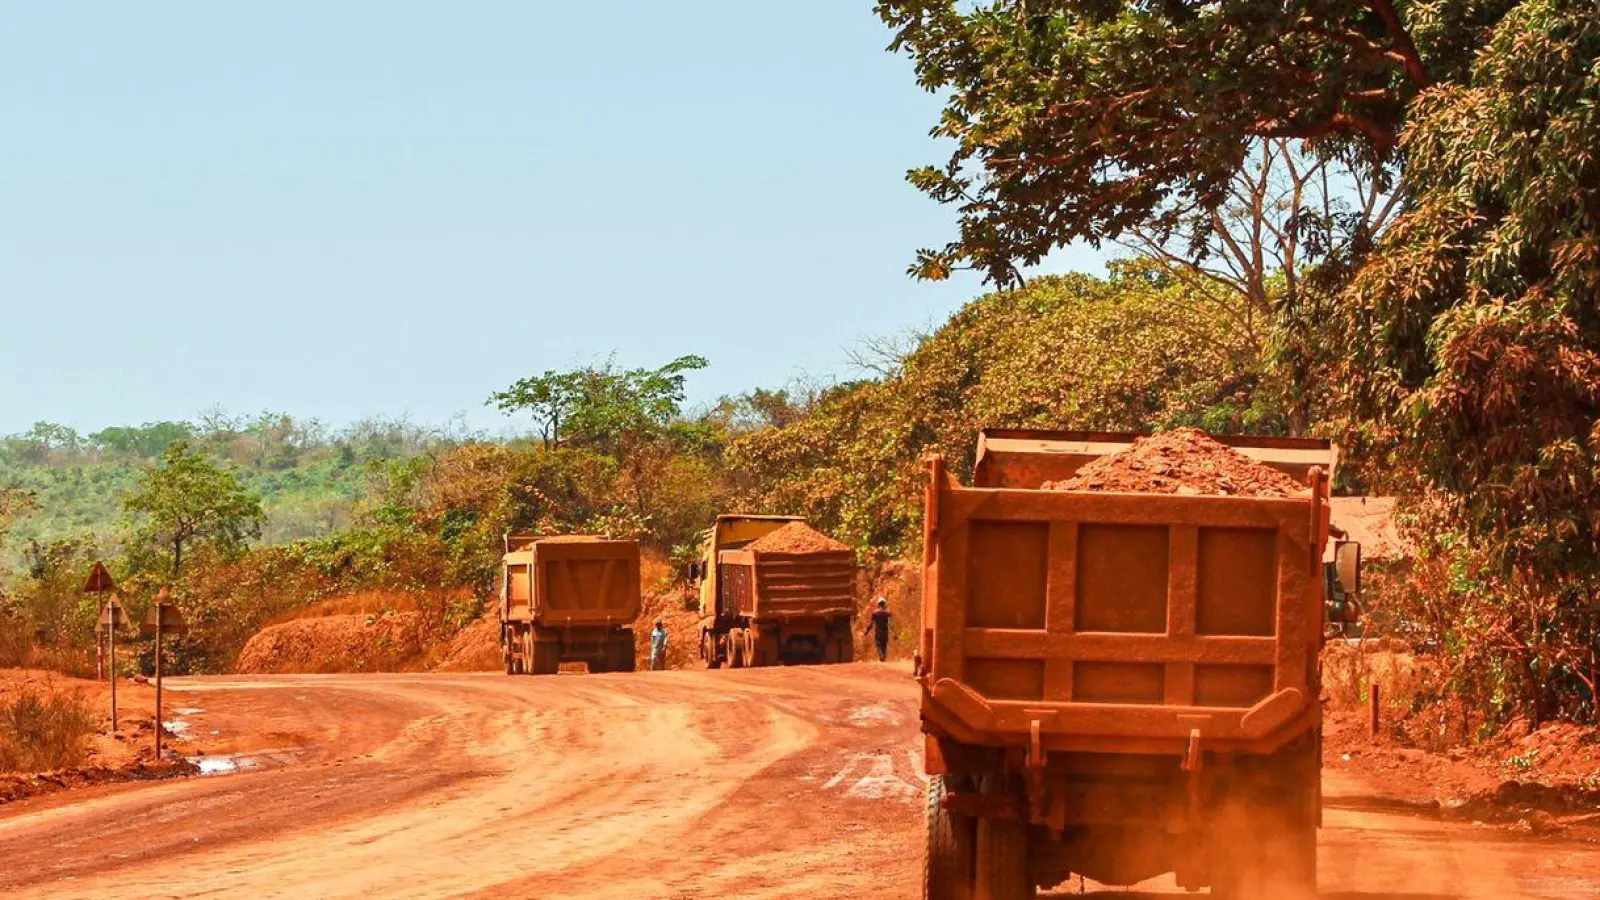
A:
573	582
787	585
1120	622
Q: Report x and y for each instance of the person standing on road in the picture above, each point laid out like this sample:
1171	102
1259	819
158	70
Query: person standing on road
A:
658	646
879	626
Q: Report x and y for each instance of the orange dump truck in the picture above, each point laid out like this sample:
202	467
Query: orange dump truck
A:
774	591
1119	685
568	599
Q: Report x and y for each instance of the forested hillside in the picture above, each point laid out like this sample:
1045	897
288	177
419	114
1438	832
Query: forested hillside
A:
290	513
309	477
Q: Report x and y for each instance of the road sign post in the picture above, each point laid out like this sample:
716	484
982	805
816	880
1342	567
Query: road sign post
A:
111	618
162	619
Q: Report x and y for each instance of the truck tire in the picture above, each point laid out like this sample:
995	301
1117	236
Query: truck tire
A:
708	650
763	649
544	657
621	656
948	868
847	648
735	641
751	656
1002	854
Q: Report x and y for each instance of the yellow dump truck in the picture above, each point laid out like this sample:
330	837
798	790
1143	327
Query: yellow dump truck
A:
773	591
1121	682
571	598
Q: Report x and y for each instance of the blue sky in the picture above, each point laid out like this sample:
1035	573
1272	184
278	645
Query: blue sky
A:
385	208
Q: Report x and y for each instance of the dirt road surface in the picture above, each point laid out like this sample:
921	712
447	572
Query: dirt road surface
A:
775	783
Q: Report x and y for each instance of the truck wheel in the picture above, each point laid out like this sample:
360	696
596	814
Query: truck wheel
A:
1002	854
544	657
751	657
847	649
621	657
708	650
947	870
736	648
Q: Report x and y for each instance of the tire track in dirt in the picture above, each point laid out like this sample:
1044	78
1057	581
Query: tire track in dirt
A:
779	783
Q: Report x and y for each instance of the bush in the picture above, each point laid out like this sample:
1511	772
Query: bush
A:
43	729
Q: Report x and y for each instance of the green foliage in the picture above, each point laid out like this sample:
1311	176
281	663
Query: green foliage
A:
1131	352
1473	350
1081	121
143	442
600	407
186	501
48	599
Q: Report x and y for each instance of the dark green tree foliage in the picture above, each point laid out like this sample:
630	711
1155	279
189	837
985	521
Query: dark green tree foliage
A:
142	442
1083	119
601	407
632	418
188	500
1131	352
1474	350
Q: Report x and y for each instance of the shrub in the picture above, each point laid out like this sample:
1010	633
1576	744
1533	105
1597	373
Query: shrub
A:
43	729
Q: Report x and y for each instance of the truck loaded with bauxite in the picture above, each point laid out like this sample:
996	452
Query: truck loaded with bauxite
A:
571	598
1118	685
774	591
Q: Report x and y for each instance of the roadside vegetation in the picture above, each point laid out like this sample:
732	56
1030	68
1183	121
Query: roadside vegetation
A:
42	728
1377	222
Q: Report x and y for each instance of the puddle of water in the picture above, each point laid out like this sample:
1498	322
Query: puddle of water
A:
223	765
187	711
176	727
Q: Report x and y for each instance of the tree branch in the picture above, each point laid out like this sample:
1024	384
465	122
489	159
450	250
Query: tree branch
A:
1407	51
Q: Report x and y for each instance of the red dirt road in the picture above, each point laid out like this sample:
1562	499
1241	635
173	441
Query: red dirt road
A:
776	783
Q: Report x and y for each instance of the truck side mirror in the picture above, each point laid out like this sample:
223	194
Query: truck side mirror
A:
1347	563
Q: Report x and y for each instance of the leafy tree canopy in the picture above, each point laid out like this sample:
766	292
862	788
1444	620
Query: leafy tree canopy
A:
602	407
1083	119
144	441
187	500
1472	352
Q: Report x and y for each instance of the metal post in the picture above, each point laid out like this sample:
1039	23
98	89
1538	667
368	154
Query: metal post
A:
158	680
1372	707
111	643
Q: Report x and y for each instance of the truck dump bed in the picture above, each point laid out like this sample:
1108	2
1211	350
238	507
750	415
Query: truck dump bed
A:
572	580
1113	622
788	585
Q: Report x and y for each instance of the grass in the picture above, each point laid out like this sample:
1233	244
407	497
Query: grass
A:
43	729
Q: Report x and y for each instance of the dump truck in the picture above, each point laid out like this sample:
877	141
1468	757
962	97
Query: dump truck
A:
761	607
1121	685
570	598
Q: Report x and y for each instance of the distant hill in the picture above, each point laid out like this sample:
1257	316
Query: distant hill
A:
308	477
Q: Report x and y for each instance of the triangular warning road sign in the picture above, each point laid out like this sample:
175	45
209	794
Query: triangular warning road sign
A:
99	580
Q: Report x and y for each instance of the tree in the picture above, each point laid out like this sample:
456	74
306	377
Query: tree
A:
1063	352
187	500
145	441
1083	121
1471	378
14	504
628	415
549	398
